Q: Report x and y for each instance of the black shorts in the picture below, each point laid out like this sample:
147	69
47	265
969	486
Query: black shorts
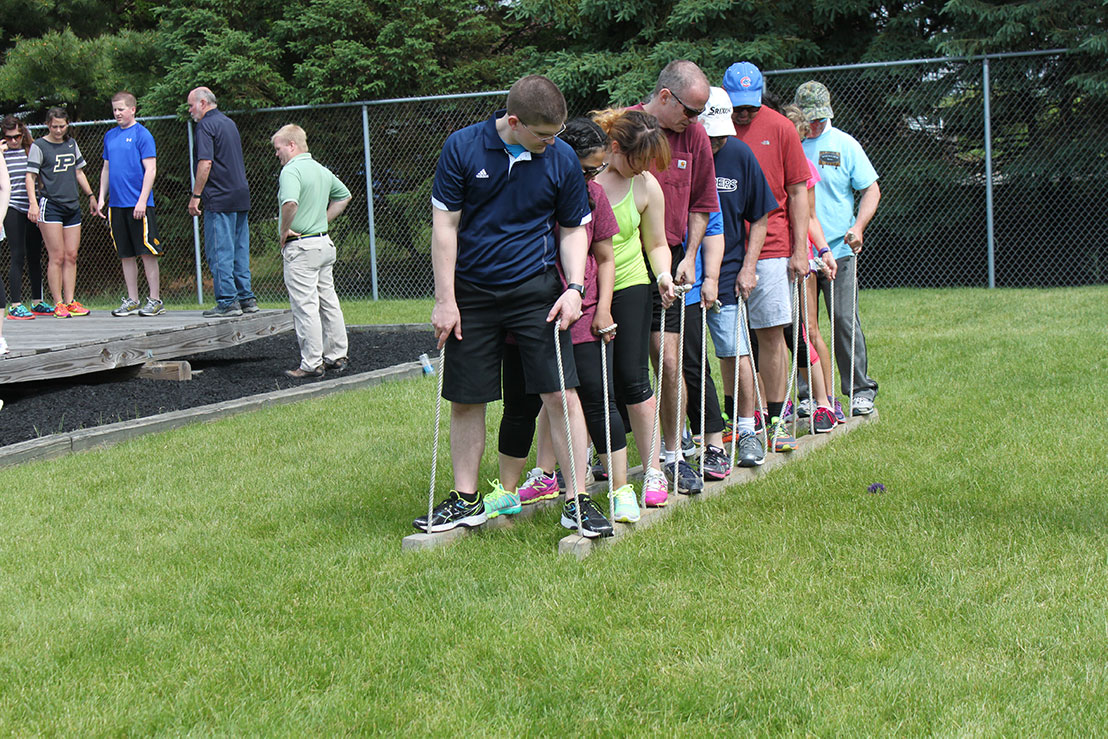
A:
133	238
472	373
673	313
51	211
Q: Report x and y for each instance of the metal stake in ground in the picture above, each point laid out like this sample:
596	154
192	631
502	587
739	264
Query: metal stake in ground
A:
565	416
435	445
607	416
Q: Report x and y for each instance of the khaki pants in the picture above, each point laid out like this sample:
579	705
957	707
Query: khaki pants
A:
320	329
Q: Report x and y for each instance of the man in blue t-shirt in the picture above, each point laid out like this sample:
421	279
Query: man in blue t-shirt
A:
844	169
222	188
500	186
745	199
127	201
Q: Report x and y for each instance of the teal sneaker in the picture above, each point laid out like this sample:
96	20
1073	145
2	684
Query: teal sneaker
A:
626	505
501	501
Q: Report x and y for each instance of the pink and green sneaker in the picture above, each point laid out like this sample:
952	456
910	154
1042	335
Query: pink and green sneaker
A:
538	486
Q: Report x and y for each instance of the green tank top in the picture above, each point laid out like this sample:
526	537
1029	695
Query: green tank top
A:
627	245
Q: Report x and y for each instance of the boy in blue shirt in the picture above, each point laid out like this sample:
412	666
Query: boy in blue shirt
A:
500	186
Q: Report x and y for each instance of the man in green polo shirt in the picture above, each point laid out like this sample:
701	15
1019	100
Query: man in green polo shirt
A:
310	197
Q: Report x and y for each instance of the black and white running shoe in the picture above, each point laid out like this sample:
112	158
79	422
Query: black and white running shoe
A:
688	479
452	513
593	522
750	451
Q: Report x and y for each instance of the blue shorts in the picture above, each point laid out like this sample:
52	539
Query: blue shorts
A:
50	211
722	326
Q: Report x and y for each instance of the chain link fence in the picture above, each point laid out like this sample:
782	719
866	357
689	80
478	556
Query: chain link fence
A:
1036	172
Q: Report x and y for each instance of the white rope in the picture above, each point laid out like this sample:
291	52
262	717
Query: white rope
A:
808	348
703	382
744	316
853	328
565	415
646	464
435	445
795	365
607	418
680	413
735	390
834	387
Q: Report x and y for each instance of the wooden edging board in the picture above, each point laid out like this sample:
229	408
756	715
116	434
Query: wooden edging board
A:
57	445
580	546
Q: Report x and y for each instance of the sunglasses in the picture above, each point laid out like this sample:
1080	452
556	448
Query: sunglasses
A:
689	112
13	137
591	172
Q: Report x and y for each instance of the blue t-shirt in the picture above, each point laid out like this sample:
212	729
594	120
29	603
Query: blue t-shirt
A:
509	205
844	168
124	150
744	196
217	139
714	228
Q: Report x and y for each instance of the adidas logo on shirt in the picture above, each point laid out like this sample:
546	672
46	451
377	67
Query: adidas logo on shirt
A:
482	175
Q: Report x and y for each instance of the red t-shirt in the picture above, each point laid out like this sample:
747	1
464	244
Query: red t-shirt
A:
776	146
689	183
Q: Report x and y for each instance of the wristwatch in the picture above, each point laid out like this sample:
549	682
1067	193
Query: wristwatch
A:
578	287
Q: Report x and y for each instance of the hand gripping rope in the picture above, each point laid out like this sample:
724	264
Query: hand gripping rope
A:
565	416
435	445
607	416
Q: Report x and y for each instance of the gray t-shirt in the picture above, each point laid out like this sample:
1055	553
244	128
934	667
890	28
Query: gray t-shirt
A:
56	166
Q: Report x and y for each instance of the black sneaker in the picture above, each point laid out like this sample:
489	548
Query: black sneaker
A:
250	305
688	481
452	513
750	452
593	522
227	311
717	465
599	471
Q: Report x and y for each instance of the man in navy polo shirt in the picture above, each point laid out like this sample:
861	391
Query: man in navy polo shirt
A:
499	188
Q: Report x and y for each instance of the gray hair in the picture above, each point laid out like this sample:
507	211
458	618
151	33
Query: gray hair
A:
678	76
203	93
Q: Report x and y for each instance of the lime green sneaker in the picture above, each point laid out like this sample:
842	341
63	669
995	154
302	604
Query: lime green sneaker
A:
627	506
501	501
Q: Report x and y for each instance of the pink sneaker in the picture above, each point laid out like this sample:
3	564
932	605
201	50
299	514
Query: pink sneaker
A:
538	486
654	486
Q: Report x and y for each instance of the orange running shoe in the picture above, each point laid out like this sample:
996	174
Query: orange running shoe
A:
76	309
61	310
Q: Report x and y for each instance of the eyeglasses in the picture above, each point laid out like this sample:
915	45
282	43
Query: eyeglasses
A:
591	172
689	112
547	139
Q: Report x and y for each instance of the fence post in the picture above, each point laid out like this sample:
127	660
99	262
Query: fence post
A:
988	174
369	201
195	220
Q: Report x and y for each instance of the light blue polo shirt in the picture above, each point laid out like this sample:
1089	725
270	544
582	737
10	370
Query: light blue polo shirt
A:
845	168
509	204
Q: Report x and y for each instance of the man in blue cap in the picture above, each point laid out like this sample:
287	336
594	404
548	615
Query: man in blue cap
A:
844	169
784	256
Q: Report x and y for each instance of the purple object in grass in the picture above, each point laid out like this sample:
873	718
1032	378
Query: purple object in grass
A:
876	488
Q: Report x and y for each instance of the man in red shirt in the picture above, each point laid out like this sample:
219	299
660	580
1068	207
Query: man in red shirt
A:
784	257
689	186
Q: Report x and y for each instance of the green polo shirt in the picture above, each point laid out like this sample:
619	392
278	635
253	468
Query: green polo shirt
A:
312	187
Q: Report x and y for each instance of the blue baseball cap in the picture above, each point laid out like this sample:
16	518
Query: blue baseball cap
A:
743	82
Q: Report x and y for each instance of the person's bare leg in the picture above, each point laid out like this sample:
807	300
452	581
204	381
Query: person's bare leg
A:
727	374
575	475
467	444
54	241
772	352
670	379
814	335
747	401
130	276
641	416
72	239
153	276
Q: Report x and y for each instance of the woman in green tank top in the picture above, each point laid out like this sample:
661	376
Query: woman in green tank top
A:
639	206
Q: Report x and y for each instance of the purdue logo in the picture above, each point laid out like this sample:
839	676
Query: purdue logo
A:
63	162
726	184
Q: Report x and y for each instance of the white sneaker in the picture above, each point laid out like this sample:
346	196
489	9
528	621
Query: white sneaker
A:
863	406
3	345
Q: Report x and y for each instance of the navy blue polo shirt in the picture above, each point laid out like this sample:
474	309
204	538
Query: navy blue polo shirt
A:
217	139
744	196
509	207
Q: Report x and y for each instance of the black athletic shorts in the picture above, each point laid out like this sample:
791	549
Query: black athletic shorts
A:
472	373
133	238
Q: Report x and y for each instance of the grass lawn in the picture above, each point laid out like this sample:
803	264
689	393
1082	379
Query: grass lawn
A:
246	577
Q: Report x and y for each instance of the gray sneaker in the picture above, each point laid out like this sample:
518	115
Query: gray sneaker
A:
750	452
228	311
250	305
127	308
863	406
688	480
152	308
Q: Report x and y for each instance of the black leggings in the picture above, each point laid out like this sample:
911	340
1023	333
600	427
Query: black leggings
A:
25	242
631	310
517	426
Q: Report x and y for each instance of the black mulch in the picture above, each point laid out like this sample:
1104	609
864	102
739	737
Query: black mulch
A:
34	409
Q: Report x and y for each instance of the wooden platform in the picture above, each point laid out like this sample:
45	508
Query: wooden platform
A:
49	348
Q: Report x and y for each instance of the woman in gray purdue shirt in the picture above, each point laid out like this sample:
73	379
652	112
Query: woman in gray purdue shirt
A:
56	161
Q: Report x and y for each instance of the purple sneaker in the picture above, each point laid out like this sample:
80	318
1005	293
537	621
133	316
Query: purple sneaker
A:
538	486
839	415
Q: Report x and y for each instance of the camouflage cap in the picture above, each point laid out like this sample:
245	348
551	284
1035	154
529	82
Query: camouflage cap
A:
815	100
